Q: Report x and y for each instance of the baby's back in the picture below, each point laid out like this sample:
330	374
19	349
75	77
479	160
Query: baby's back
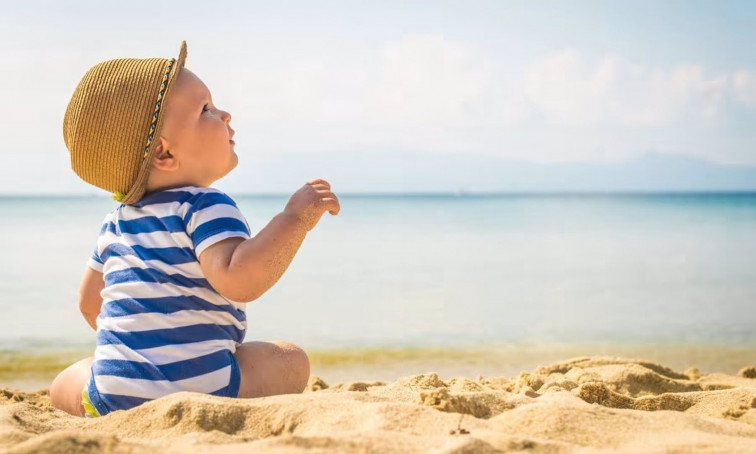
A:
162	327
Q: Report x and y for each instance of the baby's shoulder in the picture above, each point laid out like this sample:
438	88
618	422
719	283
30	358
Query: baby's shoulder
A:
207	204
205	197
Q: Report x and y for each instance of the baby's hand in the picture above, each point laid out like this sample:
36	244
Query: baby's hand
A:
311	201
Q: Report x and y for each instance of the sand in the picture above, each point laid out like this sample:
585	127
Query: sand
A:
586	404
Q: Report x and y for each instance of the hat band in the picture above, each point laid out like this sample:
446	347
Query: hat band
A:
157	107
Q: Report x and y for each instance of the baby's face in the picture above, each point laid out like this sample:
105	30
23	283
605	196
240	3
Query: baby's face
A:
197	133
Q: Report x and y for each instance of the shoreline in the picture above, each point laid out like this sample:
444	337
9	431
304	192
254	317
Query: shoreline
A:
35	369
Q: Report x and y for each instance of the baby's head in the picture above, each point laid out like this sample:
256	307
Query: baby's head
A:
136	126
194	146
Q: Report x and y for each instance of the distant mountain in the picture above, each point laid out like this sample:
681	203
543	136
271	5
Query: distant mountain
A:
417	172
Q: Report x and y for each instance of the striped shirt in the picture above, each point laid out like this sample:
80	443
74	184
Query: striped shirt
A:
162	327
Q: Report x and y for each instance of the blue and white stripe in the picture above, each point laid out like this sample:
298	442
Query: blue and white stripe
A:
162	327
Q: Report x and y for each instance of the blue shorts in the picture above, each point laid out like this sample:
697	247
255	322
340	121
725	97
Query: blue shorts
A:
95	406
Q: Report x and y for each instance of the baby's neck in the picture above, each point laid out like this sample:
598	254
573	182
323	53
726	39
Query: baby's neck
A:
162	184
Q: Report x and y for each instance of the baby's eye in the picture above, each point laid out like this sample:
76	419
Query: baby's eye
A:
204	108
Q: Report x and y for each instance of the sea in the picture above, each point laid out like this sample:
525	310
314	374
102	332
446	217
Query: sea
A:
441	272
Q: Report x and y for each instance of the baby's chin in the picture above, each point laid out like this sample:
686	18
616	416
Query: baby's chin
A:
234	162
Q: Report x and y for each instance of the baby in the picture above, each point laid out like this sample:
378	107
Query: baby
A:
175	264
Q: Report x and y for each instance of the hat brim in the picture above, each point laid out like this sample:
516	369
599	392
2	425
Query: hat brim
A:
139	186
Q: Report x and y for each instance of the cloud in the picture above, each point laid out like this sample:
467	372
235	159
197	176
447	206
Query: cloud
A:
430	94
430	80
569	88
416	80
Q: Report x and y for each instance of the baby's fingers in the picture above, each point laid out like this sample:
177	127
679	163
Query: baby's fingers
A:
331	204
319	181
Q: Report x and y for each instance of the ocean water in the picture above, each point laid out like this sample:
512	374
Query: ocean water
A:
440	271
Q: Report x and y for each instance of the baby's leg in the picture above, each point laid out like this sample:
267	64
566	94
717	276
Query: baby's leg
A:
65	391
270	368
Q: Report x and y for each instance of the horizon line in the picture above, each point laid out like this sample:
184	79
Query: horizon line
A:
458	193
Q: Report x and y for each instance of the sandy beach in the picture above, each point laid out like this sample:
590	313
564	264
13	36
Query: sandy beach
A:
583	404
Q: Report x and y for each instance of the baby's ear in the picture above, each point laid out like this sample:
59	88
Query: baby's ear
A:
164	159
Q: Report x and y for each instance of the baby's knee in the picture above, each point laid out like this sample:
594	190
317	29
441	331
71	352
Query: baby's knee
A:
299	361
65	390
57	389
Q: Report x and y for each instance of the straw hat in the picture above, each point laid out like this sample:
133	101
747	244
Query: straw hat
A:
114	118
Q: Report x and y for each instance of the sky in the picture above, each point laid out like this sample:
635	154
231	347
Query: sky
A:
542	82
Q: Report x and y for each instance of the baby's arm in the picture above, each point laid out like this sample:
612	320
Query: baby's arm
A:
90	300
244	269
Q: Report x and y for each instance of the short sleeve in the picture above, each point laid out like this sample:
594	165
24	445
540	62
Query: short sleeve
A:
213	217
94	261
